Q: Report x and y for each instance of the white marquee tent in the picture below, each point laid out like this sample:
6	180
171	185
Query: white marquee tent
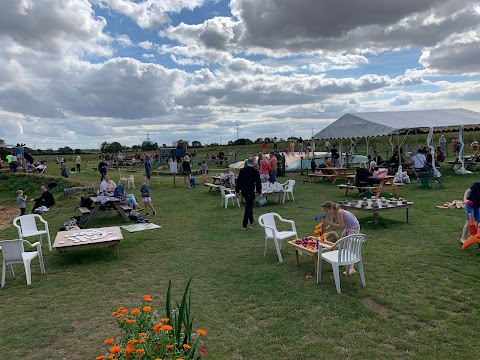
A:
369	124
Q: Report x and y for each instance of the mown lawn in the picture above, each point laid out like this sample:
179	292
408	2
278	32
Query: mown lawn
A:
421	301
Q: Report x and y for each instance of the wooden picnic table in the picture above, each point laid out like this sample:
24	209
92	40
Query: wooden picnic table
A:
300	250
376	206
469	163
386	184
88	238
102	208
331	173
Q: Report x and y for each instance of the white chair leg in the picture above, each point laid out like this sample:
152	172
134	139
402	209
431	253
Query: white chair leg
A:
265	252
28	271
226	203
293	199
11	270
4	269
49	242
319	268
362	274
277	247
336	275
40	259
238	202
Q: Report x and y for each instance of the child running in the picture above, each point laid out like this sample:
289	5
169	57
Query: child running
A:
342	219
146	199
21	202
204	168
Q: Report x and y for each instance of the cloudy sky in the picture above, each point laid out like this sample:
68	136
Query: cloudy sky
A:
80	72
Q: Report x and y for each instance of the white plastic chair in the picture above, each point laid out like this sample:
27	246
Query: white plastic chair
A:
14	253
348	251
271	232
228	194
288	189
28	227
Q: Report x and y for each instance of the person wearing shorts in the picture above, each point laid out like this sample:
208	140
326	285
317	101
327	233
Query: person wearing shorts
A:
265	168
186	170
471	198
146	199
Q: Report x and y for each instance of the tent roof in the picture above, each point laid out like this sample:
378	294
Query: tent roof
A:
367	124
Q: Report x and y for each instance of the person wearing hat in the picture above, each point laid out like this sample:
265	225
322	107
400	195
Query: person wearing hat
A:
186	170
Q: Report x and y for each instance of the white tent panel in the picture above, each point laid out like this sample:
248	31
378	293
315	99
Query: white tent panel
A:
369	124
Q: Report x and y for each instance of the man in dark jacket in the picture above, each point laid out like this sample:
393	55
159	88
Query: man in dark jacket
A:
148	167
248	181
102	168
46	199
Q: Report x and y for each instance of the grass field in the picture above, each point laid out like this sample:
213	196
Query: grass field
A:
421	301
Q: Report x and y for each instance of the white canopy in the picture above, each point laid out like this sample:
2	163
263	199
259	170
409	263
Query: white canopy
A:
367	124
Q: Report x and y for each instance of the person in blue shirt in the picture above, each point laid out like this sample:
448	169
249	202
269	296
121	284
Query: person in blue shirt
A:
146	199
471	198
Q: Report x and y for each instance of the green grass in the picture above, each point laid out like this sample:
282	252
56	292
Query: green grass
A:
421	299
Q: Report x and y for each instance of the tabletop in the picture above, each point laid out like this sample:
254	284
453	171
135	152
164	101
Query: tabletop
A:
79	237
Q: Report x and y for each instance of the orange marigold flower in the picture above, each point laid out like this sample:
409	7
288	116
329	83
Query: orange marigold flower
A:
128	350
109	341
165	320
133	341
135	311
203	351
115	349
111	356
141	340
147	298
147	308
169	346
140	351
167	327
142	334
179	359
186	346
131	321
101	357
202	332
157	327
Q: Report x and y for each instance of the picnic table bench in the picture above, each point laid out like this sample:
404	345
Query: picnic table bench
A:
469	164
331	173
386	184
212	186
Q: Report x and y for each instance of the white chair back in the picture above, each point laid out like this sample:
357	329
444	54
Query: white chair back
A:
350	249
12	251
222	190
290	184
268	219
28	224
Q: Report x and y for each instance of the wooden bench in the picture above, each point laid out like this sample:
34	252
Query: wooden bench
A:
212	186
324	176
126	208
377	190
84	210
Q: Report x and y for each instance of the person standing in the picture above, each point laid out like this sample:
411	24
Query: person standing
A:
248	183
275	143
471	199
14	162
264	146
300	146
78	162
327	145
442	142
148	167
204	168
102	168
21	202
292	147
273	167
186	169
9	160
146	199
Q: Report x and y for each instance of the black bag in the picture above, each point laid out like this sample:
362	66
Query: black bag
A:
86	202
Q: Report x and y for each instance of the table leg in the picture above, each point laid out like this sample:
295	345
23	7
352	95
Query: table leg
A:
121	211
375	218
296	258
92	214
173	179
407	216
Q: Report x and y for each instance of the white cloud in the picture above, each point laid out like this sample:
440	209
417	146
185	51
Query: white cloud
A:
147	45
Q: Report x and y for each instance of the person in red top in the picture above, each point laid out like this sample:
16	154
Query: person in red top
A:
273	170
264	146
265	168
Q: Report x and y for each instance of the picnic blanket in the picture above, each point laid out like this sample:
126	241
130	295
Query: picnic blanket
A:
140	227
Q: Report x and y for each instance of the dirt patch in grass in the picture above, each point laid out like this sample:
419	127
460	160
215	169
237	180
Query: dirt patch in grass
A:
378	308
7	214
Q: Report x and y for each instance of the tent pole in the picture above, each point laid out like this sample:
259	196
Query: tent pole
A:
399	172
432	153
462	169
340	149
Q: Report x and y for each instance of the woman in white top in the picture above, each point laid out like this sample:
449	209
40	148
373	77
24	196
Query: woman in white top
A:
107	185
